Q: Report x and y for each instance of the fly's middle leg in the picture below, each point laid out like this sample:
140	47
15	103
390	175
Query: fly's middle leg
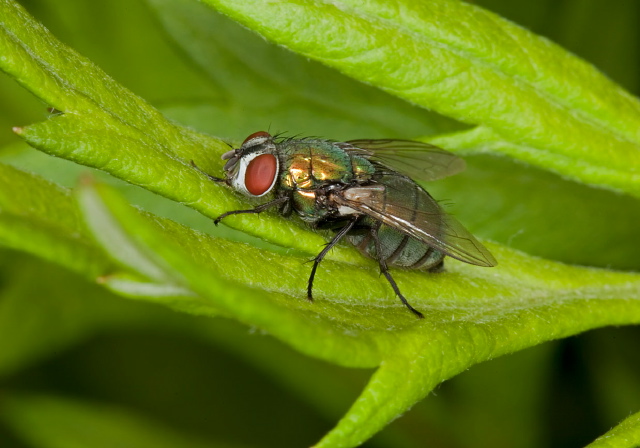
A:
385	271
316	261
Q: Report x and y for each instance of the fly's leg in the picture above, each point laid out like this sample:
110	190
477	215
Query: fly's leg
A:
385	270
316	261
258	209
213	178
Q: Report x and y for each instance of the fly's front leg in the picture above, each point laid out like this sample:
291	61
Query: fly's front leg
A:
316	261
213	178
385	271
258	209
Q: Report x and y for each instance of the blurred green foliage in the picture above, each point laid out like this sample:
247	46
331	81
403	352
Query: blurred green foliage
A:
71	367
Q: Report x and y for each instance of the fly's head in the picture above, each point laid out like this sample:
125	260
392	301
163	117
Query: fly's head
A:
253	168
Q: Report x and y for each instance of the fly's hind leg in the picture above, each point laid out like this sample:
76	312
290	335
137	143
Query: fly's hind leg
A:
385	271
316	261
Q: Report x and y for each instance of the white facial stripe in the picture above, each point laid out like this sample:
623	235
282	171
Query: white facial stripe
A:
255	141
238	181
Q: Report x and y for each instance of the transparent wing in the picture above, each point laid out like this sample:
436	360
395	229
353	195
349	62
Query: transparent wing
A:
420	161
402	204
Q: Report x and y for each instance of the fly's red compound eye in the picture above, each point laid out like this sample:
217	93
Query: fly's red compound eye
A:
260	134
261	174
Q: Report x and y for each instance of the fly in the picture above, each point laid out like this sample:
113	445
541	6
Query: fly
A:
363	191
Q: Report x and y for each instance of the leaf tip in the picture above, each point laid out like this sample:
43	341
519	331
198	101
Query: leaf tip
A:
18	130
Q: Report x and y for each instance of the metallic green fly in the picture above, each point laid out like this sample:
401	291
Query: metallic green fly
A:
363	191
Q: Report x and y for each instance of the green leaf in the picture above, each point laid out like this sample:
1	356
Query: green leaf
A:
533	100
521	303
571	24
472	314
625	435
